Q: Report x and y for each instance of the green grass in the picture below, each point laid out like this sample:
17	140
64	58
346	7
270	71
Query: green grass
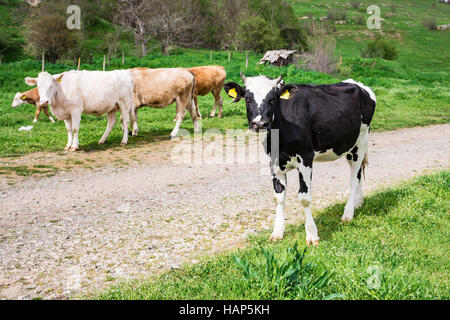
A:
400	236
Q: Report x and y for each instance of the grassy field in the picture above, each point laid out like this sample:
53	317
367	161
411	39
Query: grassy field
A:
411	91
396	248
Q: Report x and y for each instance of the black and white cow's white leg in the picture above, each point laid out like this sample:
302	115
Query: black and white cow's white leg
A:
355	159
304	195
279	194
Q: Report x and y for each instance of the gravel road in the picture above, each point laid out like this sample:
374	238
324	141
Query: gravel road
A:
81	230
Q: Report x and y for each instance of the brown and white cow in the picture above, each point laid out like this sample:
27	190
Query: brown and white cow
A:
209	79
31	97
159	88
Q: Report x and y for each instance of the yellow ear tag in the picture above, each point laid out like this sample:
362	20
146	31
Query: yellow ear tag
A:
285	95
59	79
232	93
24	98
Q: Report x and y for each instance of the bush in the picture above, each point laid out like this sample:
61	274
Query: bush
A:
430	23
335	15
321	46
380	48
355	4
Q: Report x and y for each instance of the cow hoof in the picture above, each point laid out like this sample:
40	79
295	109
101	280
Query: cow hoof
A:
276	237
212	115
312	240
346	218
67	148
73	149
220	116
174	120
35	120
123	143
134	134
101	142
314	243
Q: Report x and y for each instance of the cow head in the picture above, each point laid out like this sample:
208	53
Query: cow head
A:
18	100
260	94
46	84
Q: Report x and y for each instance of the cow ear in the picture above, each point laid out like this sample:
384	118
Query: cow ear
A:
58	77
234	90
286	92
30	81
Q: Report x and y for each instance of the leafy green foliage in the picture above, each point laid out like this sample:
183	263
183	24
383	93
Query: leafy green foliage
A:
256	34
285	277
380	48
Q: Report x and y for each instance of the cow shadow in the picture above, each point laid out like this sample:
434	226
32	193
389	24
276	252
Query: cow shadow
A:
113	142
328	220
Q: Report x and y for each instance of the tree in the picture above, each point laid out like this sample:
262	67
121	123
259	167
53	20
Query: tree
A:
256	34
176	22
48	32
135	16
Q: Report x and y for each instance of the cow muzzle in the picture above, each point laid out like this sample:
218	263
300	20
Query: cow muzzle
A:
260	124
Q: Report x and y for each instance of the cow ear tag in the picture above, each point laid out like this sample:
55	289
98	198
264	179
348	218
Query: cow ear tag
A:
59	79
285	95
24	97
232	93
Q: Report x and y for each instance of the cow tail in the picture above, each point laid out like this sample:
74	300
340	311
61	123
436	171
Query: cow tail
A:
194	107
365	163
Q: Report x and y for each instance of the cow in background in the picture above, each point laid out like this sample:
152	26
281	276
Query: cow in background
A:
159	88
209	79
31	97
312	123
73	93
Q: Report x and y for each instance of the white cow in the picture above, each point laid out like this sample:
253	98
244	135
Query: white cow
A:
91	92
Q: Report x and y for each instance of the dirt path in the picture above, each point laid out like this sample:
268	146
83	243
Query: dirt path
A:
80	230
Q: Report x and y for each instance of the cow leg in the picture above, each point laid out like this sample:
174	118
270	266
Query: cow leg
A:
111	117
279	187
304	195
356	195
68	123
193	113
38	112
196	106
76	119
134	123
125	116
181	112
48	115
217	102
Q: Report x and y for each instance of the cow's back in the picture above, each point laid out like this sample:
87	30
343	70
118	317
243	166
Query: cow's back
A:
207	78
159	88
97	92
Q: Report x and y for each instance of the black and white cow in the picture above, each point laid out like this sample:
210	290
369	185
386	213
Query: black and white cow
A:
315	123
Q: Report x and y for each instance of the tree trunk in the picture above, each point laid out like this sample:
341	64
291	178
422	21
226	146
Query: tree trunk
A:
144	47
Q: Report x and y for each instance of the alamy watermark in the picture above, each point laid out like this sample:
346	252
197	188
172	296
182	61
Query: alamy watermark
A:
74	19
374	20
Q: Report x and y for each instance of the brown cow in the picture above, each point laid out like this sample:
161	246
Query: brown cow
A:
209	79
31	97
159	88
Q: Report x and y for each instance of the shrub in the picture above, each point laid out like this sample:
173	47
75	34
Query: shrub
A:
430	23
355	4
334	15
380	48
359	20
321	46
